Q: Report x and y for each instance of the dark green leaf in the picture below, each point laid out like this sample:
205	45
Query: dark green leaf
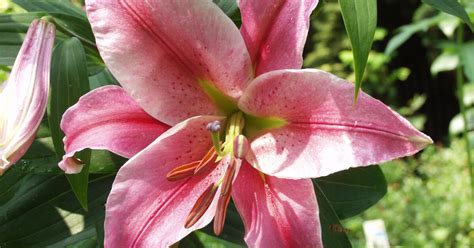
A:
467	60
41	159
229	7
352	191
8	54
191	241
334	234
102	78
52	6
360	19
40	211
69	81
452	7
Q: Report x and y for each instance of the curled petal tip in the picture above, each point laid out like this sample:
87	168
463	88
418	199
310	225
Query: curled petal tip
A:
71	165
422	139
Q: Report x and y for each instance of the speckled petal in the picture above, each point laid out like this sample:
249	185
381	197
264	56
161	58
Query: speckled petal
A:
324	132
107	119
275	32
277	212
169	55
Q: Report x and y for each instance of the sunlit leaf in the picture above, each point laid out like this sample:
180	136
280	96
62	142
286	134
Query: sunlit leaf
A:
360	19
467	60
452	7
444	62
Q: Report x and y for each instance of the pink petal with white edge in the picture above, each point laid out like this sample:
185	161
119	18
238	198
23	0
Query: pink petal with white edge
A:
144	209
275	32
24	96
108	119
325	131
160	51
277	212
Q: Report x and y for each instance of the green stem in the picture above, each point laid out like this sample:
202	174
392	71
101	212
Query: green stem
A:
462	107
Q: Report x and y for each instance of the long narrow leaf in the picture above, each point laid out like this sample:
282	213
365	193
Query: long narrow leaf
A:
69	81
360	19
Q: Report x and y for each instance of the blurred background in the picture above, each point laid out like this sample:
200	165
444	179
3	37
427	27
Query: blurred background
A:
412	68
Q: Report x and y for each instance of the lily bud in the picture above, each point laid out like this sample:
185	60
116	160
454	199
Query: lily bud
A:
24	97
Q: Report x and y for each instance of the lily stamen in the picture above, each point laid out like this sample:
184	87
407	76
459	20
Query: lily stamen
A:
228	179
219	218
201	205
183	171
206	160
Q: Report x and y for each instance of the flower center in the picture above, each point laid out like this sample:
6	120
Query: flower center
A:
228	152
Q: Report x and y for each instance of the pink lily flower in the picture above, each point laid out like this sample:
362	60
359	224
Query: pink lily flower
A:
208	113
25	94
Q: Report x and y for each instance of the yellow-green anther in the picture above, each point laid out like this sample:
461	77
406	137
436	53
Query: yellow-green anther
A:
241	147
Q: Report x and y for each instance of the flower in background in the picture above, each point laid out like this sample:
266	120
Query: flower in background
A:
207	113
24	97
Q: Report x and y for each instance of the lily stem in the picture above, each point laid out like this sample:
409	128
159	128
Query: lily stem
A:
462	107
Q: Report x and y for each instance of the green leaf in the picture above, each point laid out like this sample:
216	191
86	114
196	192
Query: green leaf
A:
467	60
41	159
52	6
407	31
456	126
229	7
69	81
360	20
40	211
446	61
452	7
14	26
352	191
104	77
333	233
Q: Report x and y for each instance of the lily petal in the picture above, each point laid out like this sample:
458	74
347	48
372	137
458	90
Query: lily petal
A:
24	97
175	58
144	209
107	118
325	132
275	32
277	212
